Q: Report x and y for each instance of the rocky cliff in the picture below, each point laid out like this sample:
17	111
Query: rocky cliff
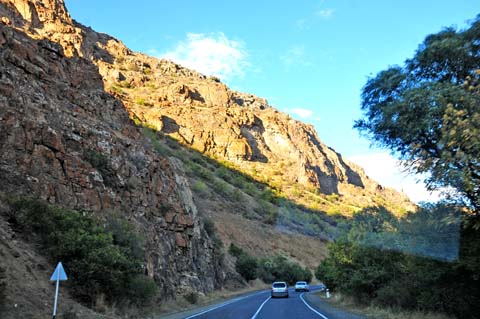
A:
66	140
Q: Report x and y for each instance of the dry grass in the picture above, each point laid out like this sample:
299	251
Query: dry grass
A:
375	312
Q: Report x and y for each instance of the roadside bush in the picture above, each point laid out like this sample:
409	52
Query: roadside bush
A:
422	261
99	260
141	290
246	266
3	285
191	297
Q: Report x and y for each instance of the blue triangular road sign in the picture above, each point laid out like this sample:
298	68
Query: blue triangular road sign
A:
59	273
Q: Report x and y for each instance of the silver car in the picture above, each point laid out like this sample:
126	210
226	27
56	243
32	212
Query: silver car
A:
301	286
279	289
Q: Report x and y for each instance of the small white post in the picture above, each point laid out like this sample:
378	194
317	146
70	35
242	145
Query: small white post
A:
56	296
328	293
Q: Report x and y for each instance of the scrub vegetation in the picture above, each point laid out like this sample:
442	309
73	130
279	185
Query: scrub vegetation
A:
104	258
268	269
428	111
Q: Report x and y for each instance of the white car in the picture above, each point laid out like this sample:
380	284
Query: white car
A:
301	286
279	289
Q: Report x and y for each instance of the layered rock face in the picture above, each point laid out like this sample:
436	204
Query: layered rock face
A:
200	112
67	141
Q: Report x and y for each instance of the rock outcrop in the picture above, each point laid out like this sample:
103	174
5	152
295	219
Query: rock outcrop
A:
67	141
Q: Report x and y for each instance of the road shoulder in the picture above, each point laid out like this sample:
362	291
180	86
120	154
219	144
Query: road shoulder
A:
327	309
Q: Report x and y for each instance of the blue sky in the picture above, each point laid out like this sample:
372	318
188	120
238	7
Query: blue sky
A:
308	58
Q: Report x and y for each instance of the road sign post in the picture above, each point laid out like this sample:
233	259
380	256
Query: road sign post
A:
58	275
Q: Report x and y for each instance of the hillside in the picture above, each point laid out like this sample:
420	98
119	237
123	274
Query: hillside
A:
88	124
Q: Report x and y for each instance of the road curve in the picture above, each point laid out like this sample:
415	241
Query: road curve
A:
261	306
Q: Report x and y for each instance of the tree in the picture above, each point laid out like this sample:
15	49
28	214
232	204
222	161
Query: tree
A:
428	112
414	263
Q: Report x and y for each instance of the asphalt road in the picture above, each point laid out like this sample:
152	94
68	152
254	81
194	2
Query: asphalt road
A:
261	306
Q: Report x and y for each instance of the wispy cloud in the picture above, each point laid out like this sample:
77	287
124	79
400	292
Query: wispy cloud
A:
295	55
307	21
212	54
324	13
388	171
303	113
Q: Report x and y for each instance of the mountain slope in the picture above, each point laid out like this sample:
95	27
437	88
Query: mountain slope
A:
203	113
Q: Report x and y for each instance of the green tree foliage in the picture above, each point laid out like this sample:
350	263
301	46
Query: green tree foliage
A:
98	259
416	262
268	269
428	111
279	268
246	266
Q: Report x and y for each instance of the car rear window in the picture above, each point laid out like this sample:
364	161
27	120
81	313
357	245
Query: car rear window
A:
279	285
301	283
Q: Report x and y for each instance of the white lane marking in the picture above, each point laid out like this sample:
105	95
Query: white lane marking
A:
260	308
223	304
306	304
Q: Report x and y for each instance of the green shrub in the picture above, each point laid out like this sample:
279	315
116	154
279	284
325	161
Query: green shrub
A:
271	216
199	187
141	290
116	89
202	172
210	229
98	259
191	297
246	266
100	162
157	145
3	285
140	101
225	174
235	251
125	84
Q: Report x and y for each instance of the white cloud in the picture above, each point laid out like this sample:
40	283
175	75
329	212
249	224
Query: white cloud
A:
212	54
386	170
303	113
324	13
